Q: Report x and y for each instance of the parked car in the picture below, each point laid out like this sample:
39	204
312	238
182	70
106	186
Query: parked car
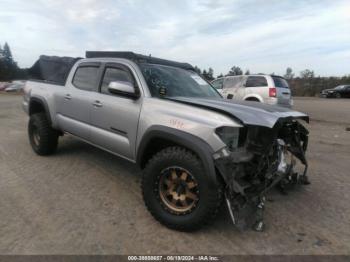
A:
15	86
4	85
269	89
337	92
194	147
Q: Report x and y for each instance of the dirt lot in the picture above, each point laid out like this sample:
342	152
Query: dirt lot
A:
85	201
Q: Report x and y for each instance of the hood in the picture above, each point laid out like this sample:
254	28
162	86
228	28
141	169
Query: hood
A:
326	90
248	113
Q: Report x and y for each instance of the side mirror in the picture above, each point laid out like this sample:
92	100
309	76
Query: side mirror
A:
124	89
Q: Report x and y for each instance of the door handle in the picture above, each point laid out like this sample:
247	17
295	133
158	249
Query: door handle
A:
68	97
97	104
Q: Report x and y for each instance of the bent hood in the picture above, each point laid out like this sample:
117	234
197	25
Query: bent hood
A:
248	113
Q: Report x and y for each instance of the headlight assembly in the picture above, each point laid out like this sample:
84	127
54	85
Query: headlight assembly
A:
229	135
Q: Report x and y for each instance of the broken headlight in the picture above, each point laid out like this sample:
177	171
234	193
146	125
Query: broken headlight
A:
229	135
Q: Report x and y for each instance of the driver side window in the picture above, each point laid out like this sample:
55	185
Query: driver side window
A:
113	74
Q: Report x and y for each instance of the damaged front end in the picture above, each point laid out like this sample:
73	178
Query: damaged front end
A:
256	160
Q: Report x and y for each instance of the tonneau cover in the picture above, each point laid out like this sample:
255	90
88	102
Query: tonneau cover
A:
53	69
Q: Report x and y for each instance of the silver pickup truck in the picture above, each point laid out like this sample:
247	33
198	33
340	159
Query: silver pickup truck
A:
196	149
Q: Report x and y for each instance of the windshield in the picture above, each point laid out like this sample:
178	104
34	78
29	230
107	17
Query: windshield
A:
339	87
175	81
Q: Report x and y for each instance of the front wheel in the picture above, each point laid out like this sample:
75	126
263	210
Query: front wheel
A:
337	95
177	191
43	138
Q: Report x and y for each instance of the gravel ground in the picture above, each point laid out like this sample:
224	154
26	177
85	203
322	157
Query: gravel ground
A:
83	200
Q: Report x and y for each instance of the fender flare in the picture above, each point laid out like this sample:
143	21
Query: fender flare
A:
187	140
44	104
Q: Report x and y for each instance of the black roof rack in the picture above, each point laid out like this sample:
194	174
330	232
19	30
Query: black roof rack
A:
137	58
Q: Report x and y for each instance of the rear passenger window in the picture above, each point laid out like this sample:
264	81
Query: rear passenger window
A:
85	78
114	74
254	81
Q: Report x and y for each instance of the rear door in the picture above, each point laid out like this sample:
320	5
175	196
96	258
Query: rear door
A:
233	87
283	92
73	103
114	118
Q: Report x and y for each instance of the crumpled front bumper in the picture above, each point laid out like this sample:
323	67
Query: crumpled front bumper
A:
267	160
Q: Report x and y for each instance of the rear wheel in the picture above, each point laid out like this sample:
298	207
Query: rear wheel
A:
43	138
177	191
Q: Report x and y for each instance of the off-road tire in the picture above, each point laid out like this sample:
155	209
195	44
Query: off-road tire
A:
43	138
210	196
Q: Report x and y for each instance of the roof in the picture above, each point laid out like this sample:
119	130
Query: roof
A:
137	58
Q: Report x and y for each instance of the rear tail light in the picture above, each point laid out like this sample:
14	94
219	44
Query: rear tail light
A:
272	92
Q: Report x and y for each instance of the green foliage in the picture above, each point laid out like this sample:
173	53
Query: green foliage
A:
235	71
307	74
289	74
208	75
197	69
312	86
8	67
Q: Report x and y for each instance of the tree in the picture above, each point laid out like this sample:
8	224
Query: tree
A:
7	53
247	72
221	75
197	69
208	75
1	53
8	67
289	74
307	74
235	71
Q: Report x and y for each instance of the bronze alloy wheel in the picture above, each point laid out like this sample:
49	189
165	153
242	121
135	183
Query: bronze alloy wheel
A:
178	190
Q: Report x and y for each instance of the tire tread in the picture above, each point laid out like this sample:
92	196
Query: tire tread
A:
48	136
215	198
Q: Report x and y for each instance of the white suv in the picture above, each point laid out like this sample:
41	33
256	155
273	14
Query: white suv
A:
269	89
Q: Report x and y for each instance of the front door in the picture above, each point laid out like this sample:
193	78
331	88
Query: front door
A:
114	118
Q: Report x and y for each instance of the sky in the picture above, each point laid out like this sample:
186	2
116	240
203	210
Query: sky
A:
264	36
